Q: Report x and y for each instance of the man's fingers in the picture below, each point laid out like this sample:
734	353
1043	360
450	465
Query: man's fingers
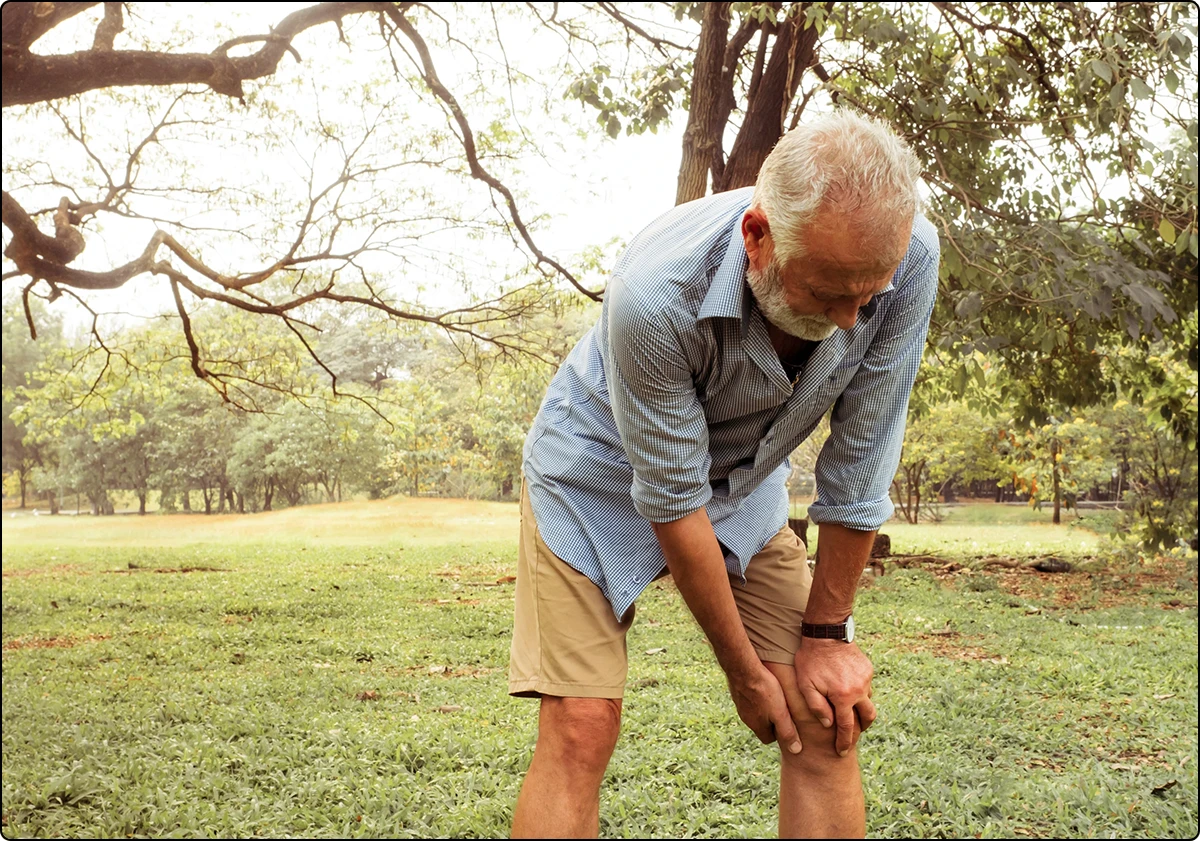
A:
845	730
866	712
818	705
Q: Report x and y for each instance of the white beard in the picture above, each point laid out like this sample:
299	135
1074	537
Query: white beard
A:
767	286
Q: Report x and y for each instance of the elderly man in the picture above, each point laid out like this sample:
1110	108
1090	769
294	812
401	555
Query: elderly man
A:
731	325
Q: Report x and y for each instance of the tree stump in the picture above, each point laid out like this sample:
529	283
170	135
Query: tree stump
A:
800	526
882	547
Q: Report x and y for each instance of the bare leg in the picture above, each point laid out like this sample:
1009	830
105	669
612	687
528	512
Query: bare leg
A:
560	797
820	793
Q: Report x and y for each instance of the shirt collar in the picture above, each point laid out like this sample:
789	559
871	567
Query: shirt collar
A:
727	292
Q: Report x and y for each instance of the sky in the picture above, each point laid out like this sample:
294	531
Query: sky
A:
593	189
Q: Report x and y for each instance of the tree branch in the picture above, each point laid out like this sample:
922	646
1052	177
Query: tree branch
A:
466	136
28	242
111	24
27	78
25	23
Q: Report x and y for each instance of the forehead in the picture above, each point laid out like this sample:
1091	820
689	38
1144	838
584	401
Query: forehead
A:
839	260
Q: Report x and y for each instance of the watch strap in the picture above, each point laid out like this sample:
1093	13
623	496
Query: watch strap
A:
843	631
824	632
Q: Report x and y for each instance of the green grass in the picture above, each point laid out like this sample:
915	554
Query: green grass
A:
340	672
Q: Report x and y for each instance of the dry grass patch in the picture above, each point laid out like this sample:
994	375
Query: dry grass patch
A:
950	645
69	641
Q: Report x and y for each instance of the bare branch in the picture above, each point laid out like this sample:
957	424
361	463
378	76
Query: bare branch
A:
28	242
659	44
251	39
197	368
28	311
27	77
467	138
109	26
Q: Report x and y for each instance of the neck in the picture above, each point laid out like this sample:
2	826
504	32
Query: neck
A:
785	344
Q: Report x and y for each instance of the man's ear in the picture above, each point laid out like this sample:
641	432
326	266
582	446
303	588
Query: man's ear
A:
755	233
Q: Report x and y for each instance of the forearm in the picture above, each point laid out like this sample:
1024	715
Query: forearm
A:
843	554
695	560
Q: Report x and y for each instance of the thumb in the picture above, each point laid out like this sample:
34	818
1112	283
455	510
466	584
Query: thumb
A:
818	705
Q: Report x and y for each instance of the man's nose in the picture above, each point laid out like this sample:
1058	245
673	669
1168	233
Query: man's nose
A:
843	314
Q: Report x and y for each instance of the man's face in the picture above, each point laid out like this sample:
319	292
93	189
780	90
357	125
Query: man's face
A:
837	273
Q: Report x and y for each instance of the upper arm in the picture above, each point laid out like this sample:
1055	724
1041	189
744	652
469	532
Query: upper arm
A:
658	414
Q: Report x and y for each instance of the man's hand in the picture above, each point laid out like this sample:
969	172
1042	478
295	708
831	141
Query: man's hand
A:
761	706
835	681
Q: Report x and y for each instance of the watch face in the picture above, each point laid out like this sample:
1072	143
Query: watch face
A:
850	629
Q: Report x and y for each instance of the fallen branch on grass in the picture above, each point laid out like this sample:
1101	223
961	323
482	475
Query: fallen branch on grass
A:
1048	563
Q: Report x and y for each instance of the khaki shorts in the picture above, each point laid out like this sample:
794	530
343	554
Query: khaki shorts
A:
568	643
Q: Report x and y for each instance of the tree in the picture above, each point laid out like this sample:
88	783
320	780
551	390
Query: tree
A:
1057	191
948	443
368	199
22	358
1058	461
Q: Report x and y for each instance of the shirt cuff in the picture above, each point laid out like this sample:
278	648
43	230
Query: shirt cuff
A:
863	516
659	506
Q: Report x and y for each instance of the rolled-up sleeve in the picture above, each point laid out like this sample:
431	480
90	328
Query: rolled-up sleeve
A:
858	461
658	414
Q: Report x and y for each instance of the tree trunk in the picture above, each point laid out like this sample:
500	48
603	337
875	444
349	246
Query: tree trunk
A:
268	492
769	101
53	500
1055	451
141	495
207	501
703	135
23	478
187	500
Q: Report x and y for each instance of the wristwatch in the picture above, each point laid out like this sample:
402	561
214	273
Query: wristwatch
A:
843	631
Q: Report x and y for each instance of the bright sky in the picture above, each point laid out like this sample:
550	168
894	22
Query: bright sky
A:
593	189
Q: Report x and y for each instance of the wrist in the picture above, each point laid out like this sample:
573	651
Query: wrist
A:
742	671
842	632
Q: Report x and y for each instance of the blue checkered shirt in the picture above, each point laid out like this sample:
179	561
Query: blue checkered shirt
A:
676	400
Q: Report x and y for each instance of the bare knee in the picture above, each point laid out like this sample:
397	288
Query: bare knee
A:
579	733
819	755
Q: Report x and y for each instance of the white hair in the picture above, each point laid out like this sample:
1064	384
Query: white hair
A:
851	163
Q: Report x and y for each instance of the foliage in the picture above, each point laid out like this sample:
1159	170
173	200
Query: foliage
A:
950	443
1058	460
1159	476
23	355
437	422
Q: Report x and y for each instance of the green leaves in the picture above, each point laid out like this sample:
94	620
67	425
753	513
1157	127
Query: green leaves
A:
1102	69
969	305
1167	231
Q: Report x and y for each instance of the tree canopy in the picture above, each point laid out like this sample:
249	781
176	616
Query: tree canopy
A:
341	170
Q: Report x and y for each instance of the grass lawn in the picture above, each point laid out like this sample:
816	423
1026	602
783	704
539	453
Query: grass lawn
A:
340	671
